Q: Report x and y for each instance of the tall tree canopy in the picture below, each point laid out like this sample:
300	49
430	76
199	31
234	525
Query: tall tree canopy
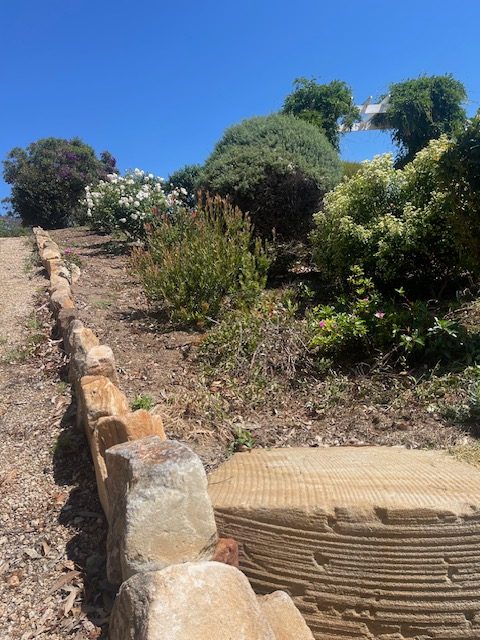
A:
422	109
49	177
325	105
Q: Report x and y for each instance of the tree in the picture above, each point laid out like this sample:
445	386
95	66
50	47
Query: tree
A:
325	105
421	110
49	177
185	178
276	168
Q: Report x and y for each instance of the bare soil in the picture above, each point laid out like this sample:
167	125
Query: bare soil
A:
359	408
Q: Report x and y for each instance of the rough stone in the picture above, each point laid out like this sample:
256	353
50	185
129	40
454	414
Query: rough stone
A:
61	299
69	340
160	510
191	601
97	397
64	320
371	542
284	617
75	273
113	430
226	551
80	340
97	361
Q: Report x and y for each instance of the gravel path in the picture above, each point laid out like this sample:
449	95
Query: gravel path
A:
52	530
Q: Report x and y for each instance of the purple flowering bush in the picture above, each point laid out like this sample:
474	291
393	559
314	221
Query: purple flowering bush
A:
48	179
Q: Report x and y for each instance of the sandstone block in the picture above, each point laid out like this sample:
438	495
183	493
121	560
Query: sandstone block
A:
191	601
97	396
113	430
61	299
284	617
100	397
52	265
97	361
160	510
80	341
73	328
75	273
370	542
64	320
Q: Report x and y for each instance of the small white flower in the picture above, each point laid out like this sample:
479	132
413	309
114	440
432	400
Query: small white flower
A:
136	203
183	190
122	220
134	216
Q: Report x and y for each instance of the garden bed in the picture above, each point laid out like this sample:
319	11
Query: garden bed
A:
215	416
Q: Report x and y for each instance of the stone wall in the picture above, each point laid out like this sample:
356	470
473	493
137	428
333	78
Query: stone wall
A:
177	580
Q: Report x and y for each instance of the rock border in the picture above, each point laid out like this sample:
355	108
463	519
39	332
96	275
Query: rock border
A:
162	535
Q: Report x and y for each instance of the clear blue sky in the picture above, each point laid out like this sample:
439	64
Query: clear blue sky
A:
157	82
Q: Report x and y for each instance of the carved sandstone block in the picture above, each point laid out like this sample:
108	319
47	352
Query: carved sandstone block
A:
370	542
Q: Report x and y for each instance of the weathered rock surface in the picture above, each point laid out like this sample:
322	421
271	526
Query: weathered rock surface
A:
80	340
97	396
371	543
284	617
191	601
226	551
61	299
113	430
160	510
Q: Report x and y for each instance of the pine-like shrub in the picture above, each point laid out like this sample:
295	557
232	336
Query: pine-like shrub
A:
277	168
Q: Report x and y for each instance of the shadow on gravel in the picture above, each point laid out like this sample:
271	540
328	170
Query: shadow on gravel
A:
83	515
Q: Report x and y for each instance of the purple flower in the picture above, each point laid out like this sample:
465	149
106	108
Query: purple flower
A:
322	324
379	314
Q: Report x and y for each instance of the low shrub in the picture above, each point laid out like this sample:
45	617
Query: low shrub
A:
11	227
195	262
277	168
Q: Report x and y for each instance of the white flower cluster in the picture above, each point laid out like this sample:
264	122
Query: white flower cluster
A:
129	202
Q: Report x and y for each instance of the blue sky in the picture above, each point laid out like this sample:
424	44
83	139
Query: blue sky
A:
157	82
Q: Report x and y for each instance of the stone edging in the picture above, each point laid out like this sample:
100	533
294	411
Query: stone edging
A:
177	580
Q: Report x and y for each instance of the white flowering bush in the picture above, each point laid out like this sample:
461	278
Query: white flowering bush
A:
129	203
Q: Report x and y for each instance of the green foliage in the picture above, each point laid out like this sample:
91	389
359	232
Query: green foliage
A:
460	174
397	225
324	105
9	228
242	440
421	110
70	257
195	262
48	179
143	401
188	179
350	168
276	168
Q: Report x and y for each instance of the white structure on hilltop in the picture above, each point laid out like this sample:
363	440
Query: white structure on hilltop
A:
367	113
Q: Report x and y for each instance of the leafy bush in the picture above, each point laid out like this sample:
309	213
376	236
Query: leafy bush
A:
350	168
128	203
195	261
276	168
9	227
48	179
423	109
459	170
186	181
398	225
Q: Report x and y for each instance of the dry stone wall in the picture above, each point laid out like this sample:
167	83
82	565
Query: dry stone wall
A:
177	580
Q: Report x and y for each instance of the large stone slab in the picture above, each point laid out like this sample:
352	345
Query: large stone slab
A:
284	617
372	543
160	510
191	601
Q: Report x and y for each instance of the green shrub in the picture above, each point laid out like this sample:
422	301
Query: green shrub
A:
350	168
277	168
10	227
187	178
195	262
398	225
143	401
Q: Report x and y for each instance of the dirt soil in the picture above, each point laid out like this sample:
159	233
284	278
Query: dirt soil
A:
52	530
356	409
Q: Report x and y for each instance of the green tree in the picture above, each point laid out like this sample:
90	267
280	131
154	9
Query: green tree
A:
185	178
49	177
422	109
325	105
277	168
